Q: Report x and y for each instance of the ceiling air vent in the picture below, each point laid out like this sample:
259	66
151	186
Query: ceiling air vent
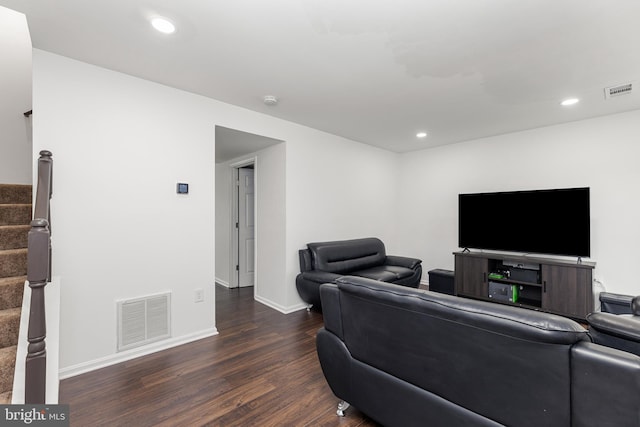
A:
625	89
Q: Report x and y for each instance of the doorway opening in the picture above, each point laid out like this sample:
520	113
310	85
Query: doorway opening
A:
236	152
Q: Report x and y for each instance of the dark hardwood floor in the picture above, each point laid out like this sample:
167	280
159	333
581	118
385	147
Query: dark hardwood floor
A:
260	370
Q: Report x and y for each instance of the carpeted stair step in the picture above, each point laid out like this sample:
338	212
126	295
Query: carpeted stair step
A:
15	217
9	326
13	262
15	193
7	362
15	214
13	236
11	289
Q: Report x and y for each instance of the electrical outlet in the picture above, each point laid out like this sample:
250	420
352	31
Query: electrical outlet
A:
199	295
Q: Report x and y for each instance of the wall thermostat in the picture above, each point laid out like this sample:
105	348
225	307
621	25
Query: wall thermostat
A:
182	188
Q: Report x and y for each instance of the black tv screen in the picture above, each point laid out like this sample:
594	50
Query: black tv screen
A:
553	222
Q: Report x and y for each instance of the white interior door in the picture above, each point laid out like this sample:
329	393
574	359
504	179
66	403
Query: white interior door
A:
246	226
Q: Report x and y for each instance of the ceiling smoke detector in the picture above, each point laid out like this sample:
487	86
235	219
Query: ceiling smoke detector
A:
624	89
270	100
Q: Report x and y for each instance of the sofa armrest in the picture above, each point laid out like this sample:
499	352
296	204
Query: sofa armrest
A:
304	255
403	261
615	303
336	363
320	276
330	297
620	325
605	384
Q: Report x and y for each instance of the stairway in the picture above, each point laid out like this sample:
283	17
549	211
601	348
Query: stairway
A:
15	217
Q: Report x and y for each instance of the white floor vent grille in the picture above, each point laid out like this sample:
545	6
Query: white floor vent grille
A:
143	320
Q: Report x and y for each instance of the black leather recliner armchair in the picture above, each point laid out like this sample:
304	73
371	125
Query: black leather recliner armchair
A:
324	262
620	331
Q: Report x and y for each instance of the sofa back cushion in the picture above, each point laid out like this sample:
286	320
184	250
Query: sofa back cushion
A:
508	364
345	256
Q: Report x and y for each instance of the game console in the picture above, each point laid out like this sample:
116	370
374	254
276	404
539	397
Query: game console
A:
503	291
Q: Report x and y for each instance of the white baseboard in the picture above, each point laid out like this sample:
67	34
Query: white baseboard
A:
103	362
282	309
222	282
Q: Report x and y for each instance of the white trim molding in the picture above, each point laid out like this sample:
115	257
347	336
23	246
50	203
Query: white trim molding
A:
224	283
103	362
280	308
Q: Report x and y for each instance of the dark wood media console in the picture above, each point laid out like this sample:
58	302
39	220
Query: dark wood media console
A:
555	286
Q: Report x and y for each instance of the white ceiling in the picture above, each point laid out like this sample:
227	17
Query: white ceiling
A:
231	143
375	71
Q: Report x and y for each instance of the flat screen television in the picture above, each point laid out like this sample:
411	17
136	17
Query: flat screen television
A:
555	222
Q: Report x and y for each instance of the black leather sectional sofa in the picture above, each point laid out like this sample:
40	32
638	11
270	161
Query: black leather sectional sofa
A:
408	357
324	262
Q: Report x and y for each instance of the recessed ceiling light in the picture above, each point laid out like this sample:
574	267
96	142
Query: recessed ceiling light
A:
421	134
163	25
569	101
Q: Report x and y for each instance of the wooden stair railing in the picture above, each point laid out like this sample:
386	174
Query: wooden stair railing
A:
38	275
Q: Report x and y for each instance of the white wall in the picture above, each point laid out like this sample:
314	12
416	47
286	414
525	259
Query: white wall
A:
120	144
223	196
600	153
120	230
271	284
338	189
15	98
